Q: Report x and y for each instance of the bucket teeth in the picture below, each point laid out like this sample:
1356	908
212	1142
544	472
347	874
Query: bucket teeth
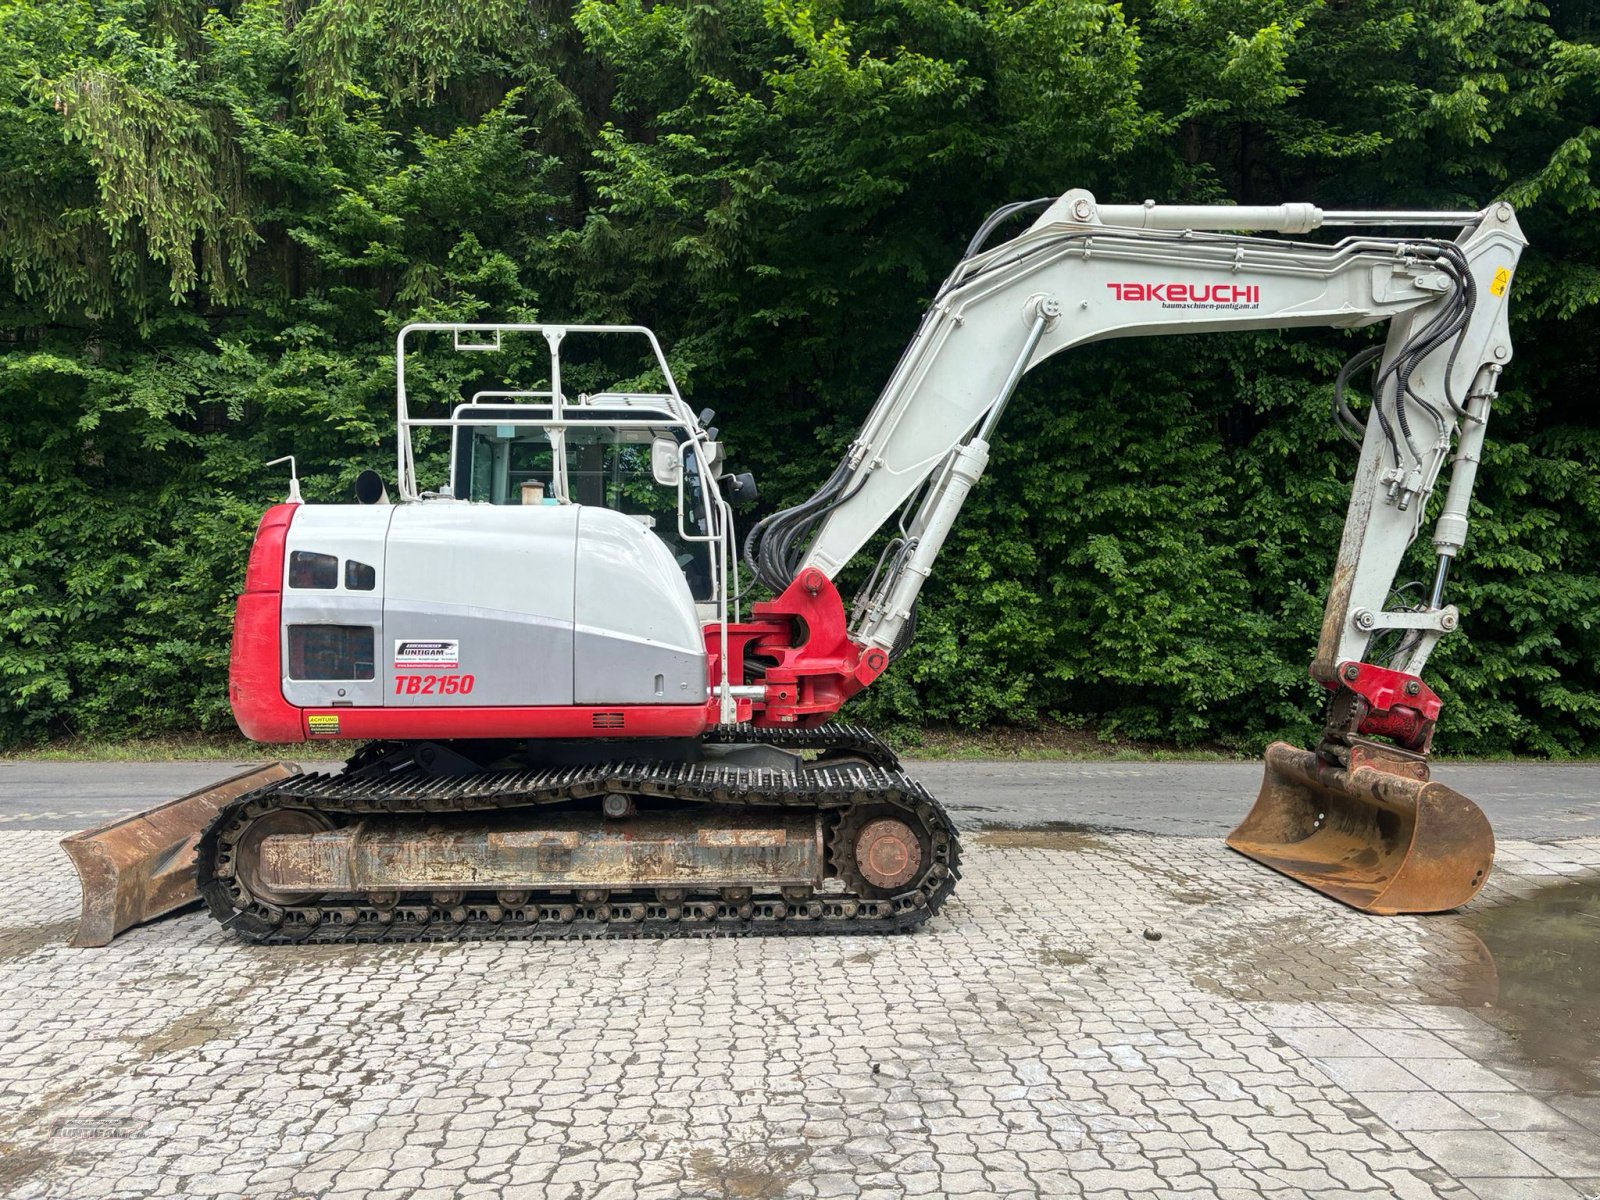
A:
1381	837
136	868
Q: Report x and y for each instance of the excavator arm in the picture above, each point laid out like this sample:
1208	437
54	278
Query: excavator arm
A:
1084	273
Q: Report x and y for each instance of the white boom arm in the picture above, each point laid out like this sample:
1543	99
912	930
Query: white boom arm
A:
1083	273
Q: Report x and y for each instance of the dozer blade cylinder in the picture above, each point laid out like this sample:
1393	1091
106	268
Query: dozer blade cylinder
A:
136	868
555	851
1377	839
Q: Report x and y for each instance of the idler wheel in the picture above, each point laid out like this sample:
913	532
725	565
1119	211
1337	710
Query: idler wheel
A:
887	853
248	849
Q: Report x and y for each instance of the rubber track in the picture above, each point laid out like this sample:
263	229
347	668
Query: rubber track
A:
835	738
843	789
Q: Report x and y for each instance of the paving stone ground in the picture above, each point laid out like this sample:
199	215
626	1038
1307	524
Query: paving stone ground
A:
1032	1041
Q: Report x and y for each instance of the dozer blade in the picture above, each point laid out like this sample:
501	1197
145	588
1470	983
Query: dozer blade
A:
1381	838
136	868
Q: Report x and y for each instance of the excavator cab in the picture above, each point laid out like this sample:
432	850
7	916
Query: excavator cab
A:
547	498
608	460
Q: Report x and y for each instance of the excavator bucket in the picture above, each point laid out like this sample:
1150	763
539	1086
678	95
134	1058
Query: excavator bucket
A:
1379	836
136	868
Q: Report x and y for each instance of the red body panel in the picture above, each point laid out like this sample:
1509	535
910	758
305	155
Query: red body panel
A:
255	676
812	666
417	724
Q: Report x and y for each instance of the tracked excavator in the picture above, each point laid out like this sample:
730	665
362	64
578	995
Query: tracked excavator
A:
570	722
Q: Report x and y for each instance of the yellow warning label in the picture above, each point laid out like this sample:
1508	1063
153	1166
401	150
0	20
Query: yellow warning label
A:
1497	286
326	724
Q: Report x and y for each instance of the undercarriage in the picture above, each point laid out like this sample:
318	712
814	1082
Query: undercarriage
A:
395	849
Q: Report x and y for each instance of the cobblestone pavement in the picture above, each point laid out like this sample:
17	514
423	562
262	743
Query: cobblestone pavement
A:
1034	1040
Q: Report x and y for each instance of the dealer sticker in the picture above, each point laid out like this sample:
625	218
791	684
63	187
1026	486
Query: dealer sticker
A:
322	724
413	652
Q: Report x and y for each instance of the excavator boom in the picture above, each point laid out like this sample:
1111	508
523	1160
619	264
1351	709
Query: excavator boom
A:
1358	818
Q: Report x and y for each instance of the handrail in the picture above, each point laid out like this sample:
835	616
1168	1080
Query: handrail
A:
553	335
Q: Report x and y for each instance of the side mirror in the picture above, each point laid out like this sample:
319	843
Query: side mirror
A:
665	464
740	488
370	489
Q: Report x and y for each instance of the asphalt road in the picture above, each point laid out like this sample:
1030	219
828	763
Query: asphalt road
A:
1522	800
1537	801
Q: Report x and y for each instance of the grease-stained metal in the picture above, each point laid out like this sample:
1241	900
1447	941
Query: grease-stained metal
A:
1377	834
556	850
887	852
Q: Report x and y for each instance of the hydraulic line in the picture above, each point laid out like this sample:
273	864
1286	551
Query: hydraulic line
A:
1452	321
772	547
1346	421
994	219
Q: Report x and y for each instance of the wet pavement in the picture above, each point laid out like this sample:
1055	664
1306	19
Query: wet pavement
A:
1099	1011
1539	979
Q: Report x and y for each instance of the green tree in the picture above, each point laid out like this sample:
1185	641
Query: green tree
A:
214	218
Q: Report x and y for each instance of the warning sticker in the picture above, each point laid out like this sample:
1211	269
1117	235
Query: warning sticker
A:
322	724
436	653
1497	285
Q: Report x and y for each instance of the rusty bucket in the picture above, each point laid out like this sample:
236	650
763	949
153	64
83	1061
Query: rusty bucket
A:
1379	836
136	868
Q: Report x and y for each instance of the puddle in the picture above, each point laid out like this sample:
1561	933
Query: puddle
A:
1545	952
215	1021
186	1033
1281	962
1060	958
18	1164
764	1174
1073	837
1194	897
1049	835
19	943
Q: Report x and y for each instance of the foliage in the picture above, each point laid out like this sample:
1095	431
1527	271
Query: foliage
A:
214	217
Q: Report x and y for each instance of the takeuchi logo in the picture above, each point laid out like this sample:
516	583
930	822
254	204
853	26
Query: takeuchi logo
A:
1189	293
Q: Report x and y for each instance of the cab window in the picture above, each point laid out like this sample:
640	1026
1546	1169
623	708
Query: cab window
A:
310	570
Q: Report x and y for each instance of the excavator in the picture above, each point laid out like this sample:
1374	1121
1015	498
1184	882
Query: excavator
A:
572	723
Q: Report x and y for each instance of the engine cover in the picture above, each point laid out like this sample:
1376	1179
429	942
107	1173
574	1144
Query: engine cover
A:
445	604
